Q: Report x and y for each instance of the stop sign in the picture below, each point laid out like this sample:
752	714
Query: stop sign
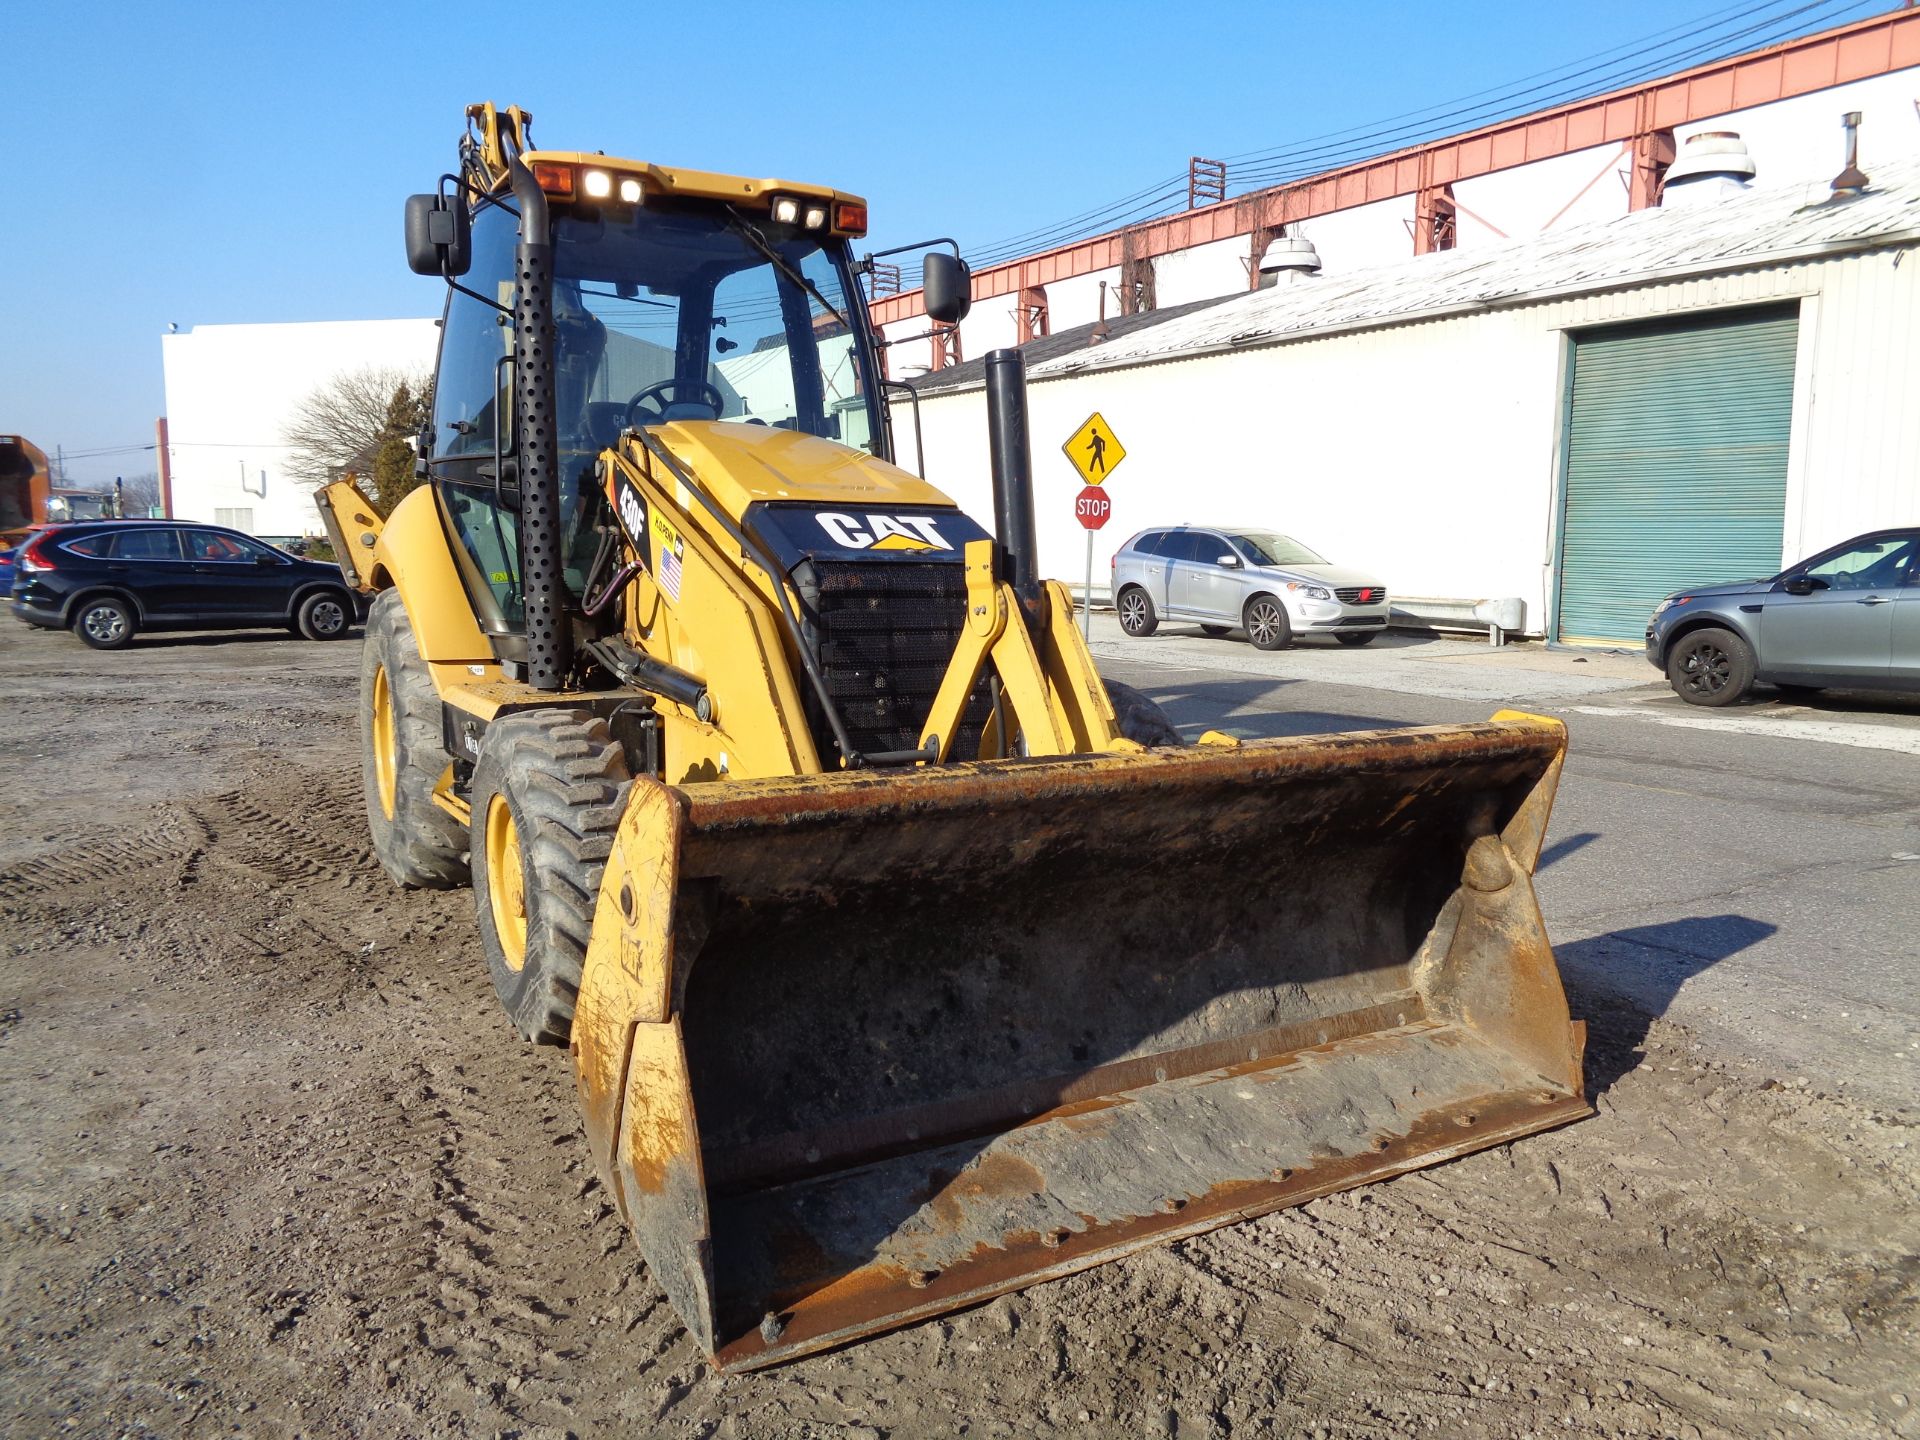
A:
1092	508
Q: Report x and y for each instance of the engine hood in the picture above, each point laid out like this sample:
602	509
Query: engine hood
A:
1725	587
1331	576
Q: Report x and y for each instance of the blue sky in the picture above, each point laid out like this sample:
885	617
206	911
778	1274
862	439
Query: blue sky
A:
222	163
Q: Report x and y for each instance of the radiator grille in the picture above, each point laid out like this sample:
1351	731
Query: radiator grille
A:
1361	595
883	633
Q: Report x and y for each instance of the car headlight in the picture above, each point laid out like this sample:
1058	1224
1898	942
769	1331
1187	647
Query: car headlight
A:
1312	592
1668	603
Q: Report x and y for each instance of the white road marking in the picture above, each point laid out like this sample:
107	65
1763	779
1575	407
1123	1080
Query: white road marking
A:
1825	732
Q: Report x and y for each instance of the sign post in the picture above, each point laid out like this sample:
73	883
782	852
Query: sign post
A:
1095	452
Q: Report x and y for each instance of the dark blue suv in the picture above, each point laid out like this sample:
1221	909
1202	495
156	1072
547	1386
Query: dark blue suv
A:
108	580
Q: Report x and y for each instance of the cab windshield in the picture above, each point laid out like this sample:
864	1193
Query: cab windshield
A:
1263	547
705	314
661	313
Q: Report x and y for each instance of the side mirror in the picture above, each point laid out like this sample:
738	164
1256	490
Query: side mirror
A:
439	235
1228	562
946	286
1798	585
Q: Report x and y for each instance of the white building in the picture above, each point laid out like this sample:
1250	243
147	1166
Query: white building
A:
1598	158
1585	419
231	389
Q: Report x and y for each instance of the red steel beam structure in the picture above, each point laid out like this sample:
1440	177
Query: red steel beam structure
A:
1866	48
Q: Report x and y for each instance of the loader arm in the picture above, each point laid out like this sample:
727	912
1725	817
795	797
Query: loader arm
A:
353	525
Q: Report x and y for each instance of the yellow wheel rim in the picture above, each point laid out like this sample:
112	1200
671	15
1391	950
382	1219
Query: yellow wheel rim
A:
506	883
386	770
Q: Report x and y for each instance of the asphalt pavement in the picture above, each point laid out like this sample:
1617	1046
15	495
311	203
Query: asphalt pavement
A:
1752	873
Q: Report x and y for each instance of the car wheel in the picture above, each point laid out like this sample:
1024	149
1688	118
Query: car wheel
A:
1710	667
1136	613
1267	625
1216	631
105	623
1357	637
324	615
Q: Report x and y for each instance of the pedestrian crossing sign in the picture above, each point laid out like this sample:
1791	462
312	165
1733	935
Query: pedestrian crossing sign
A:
1095	451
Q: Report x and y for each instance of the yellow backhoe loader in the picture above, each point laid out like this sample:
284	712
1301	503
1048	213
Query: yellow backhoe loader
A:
902	961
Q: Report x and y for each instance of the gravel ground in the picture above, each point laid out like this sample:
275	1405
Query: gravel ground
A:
274	1165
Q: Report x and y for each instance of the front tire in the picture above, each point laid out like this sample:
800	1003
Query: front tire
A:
403	756
1136	613
1266	623
105	623
1710	667
324	615
547	797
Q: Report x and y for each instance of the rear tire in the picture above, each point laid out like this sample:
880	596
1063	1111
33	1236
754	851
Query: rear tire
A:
105	623
1216	631
548	794
1266	623
1710	667
324	615
403	756
1357	637
1136	613
1140	719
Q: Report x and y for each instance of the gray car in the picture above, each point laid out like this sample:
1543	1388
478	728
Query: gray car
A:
1269	585
1849	618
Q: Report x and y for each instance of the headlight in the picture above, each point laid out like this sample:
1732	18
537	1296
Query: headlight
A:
816	217
786	210
598	184
630	191
1668	603
1312	592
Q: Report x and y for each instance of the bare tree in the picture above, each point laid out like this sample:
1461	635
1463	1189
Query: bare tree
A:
341	425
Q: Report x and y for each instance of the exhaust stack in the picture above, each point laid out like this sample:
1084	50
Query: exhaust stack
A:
1016	545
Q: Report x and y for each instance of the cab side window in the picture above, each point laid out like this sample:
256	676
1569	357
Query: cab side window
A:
474	339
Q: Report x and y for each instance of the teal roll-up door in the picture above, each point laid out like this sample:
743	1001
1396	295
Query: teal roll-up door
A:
1676	464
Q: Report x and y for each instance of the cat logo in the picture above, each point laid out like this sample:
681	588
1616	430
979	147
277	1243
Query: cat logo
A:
881	532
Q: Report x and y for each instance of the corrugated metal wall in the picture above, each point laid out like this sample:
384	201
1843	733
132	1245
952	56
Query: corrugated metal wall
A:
1430	452
1676	469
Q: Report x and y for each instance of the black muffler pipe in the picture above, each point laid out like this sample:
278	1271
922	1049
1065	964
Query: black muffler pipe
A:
543	583
1016	546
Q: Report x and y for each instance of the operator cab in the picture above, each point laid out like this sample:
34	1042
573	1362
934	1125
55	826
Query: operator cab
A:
670	310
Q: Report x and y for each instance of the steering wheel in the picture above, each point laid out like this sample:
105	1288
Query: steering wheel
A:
656	393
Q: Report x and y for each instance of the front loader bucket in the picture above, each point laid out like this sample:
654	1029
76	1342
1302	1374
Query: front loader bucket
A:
858	1049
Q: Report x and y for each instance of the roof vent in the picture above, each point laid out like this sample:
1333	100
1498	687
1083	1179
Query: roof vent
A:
1711	166
1850	182
1289	255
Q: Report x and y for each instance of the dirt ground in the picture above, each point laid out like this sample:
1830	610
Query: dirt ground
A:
274	1165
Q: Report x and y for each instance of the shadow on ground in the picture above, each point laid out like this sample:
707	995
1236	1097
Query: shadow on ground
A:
1240	708
226	637
1620	982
